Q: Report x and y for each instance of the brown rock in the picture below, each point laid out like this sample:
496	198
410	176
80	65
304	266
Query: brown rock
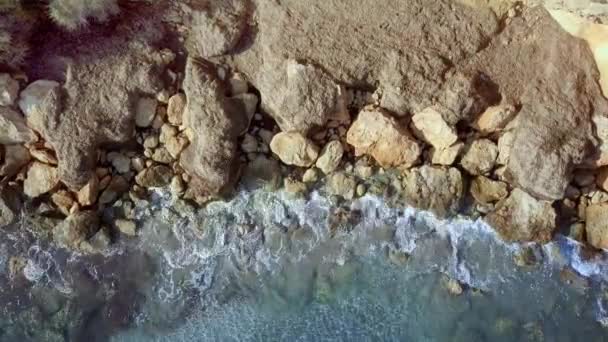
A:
438	189
294	149
597	225
485	190
447	156
41	178
377	134
75	229
161	155
43	155
175	146
88	194
495	118
175	109
330	157
63	200
126	227
154	176
10	205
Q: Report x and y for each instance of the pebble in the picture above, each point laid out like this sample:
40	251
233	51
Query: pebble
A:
151	141
145	111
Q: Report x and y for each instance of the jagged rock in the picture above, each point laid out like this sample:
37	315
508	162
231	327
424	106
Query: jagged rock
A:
13	129
494	119
9	90
447	156
96	104
10	205
377	134
554	131
87	195
145	111
175	146
249	144
521	217
300	97
63	200
599	157
486	190
175	109
330	157
43	155
15	158
161	155
126	227
294	186
154	176
597	225
167	131
209	157
245	104
480	157
177	186
32	97
505	142
294	149
341	184
75	229
41	178
117	186
430	126
438	189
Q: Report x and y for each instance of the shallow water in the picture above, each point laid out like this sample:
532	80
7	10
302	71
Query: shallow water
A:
265	267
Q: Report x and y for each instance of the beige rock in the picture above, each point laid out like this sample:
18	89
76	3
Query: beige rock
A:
175	109
361	190
310	176
433	188
447	156
294	186
486	190
602	178
377	134
330	157
87	195
480	157
43	155
294	149
15	158
167	131
505	142
75	229
177	186
41	178
453	286
262	172
494	119
145	111
341	184
138	164
126	227
9	90
117	186
175	146
430	126
63	200
521	217
13	129
151	141
31	98
161	155
238	85
597	225
154	176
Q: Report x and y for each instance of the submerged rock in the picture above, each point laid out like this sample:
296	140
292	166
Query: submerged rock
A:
438	189
294	149
75	229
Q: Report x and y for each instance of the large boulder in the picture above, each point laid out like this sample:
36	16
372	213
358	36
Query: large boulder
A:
379	135
438	189
210	156
597	225
558	91
521	217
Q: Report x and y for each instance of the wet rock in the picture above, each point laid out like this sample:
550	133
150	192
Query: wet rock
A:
597	225
13	129
262	171
177	186
330	157
438	189
9	90
486	190
377	134
32	97
341	184
300	97
75	229
175	109
480	157
397	257
209	157
452	286
10	205
41	178
101	240
528	256
430	126
87	195
494	119
521	217
360	190
447	156
126	227
15	158
294	149
145	111
154	176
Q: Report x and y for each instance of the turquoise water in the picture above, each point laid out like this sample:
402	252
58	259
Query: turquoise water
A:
266	267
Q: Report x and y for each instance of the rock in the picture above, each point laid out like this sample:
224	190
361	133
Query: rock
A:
154	176
246	105
597	225
262	172
32	97
63	200
453	286
238	85
294	149
505	142
175	109
430	126
138	164
209	157
480	157
10	205
330	157
486	190
600	156
341	184
494	119
166	132
584	178
43	155
447	156
175	146
41	178
377	134
87	195
300	97
177	186
266	135
364	171
602	178
119	161
145	111
97	103
9	90
151	141
126	227
361	190
310	176
294	186
13	129
249	144
15	158
433	188
101	240
75	229
161	155
117	186
520	217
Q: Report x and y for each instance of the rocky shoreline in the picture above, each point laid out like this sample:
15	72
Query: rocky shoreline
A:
497	113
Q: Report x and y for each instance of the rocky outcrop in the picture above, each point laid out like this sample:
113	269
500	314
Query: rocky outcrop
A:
294	149
379	135
597	225
521	217
438	189
210	155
